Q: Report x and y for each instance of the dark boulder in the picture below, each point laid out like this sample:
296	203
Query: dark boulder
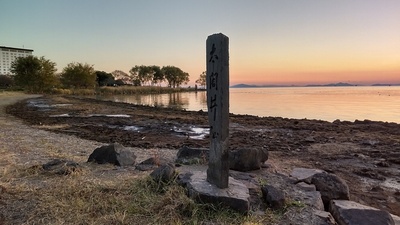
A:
247	159
352	213
61	167
274	197
115	154
331	187
164	173
188	156
151	164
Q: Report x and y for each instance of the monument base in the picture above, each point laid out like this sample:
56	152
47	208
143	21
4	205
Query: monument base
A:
236	196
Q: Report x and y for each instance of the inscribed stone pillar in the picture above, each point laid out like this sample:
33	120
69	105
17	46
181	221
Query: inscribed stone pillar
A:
217	51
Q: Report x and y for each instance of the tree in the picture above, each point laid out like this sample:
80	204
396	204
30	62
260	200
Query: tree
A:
146	74
122	77
150	75
6	81
104	79
158	76
135	76
175	76
78	75
48	74
202	79
34	74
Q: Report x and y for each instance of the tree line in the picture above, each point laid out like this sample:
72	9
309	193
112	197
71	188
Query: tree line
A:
38	74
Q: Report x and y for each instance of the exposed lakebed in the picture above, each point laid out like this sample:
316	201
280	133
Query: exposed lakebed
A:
365	153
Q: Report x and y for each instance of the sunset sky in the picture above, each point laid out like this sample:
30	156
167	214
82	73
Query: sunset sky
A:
271	41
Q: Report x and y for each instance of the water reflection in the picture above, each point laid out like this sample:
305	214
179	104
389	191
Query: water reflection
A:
324	103
183	100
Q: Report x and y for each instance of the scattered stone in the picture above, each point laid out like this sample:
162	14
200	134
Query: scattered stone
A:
331	187
369	142
151	164
189	156
337	121
361	156
325	218
310	139
115	154
306	187
164	173
273	197
313	199
304	174
383	164
376	188
368	172
184	178
396	219
61	167
236	196
247	159
352	213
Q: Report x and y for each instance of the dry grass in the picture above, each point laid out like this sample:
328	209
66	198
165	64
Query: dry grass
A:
121	90
94	194
132	90
38	197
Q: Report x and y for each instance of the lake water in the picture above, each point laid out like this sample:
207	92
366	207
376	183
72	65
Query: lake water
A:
323	103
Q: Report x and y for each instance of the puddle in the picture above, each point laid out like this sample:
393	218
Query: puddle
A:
112	115
61	115
61	105
119	115
92	115
197	133
38	104
132	128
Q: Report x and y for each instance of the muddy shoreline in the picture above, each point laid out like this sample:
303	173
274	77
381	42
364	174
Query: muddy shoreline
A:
366	154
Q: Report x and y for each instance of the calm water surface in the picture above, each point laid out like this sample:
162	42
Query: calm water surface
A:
323	103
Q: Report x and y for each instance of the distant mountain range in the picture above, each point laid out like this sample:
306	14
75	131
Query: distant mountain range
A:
340	84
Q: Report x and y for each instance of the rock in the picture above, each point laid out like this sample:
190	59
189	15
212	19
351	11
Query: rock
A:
184	178
310	139
383	164
325	218
273	197
164	173
396	219
313	199
236	196
369	142
369	172
304	174
61	167
151	164
188	156
115	154
352	213
126	158
331	187
337	121
306	187
247	159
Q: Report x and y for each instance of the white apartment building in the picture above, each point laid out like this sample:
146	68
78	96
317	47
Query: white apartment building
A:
8	55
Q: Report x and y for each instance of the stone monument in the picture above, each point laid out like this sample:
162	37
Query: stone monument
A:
218	108
216	186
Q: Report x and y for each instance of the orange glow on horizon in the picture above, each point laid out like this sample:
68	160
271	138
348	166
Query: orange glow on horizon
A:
304	78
